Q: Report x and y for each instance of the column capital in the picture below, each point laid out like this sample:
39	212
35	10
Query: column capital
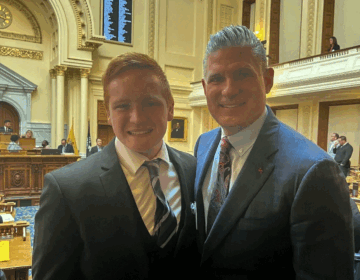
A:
52	73
84	72
60	70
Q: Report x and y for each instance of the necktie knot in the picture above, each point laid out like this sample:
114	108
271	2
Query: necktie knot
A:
153	166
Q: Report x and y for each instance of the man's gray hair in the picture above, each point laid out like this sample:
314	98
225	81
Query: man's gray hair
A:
235	36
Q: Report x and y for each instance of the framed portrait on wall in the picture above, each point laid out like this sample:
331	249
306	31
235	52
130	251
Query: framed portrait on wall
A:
177	129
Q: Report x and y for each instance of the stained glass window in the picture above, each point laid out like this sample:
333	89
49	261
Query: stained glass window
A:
118	20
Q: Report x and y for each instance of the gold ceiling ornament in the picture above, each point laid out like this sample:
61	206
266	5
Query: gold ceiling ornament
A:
22	53
34	24
5	17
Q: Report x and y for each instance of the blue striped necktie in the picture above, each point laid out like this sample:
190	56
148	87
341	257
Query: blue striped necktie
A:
165	220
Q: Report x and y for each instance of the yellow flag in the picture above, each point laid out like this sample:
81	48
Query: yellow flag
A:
71	139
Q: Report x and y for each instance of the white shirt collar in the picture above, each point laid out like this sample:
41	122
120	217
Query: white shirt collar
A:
245	138
132	160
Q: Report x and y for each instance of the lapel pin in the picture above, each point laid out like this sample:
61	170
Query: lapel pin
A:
260	171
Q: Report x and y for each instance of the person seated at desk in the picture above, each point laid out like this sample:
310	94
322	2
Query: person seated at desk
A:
7	127
45	144
65	148
28	134
13	146
333	45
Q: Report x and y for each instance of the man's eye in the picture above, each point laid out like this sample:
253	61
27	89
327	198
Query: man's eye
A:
215	79
122	106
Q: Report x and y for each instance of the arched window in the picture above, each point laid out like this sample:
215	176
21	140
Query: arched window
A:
117	25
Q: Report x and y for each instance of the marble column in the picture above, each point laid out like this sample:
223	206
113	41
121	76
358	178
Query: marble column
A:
70	96
84	110
60	81
53	108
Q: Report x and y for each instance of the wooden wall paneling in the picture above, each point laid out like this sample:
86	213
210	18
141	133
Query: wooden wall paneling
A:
328	24
274	32
101	115
246	13
323	125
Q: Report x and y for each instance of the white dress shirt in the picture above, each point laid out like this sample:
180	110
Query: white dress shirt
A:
242	143
331	148
138	179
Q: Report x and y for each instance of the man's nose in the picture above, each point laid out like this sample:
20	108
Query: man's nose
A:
137	114
231	88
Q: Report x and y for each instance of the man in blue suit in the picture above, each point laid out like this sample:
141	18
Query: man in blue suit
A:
269	202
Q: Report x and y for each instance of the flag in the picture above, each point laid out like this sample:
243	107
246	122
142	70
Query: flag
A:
88	141
71	140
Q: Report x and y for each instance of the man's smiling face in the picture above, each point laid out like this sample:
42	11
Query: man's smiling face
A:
139	111
235	87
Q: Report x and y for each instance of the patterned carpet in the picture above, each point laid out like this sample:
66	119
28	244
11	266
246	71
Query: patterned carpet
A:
27	214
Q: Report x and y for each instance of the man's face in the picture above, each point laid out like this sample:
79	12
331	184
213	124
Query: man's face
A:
8	124
342	142
63	142
235	87
177	125
99	142
138	111
333	137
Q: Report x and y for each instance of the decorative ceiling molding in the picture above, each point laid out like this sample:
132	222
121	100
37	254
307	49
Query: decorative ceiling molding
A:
21	53
86	39
37	38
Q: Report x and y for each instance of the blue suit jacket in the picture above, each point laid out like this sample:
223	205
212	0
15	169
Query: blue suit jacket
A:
287	214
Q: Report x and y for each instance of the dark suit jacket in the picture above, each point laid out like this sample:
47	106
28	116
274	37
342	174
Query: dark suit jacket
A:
335	48
343	155
287	215
2	130
68	148
94	150
89	227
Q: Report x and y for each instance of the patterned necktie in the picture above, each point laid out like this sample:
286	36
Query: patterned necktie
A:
221	188
165	220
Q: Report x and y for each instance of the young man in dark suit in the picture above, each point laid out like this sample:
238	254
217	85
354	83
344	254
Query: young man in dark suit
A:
97	148
65	147
123	213
7	127
270	203
343	154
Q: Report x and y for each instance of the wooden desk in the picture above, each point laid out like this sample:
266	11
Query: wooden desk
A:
23	175
27	143
20	259
4	140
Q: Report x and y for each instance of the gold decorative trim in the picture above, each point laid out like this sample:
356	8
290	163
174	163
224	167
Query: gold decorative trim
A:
262	14
60	70
35	25
52	73
311	19
22	53
151	43
210	18
84	72
86	41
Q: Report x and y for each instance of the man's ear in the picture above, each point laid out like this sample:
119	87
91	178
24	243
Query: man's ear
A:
204	85
170	111
108	117
269	79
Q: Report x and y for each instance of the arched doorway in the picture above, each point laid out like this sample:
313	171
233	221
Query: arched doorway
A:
8	112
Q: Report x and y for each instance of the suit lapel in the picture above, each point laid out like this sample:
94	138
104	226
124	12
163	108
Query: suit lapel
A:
205	155
255	172
113	178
